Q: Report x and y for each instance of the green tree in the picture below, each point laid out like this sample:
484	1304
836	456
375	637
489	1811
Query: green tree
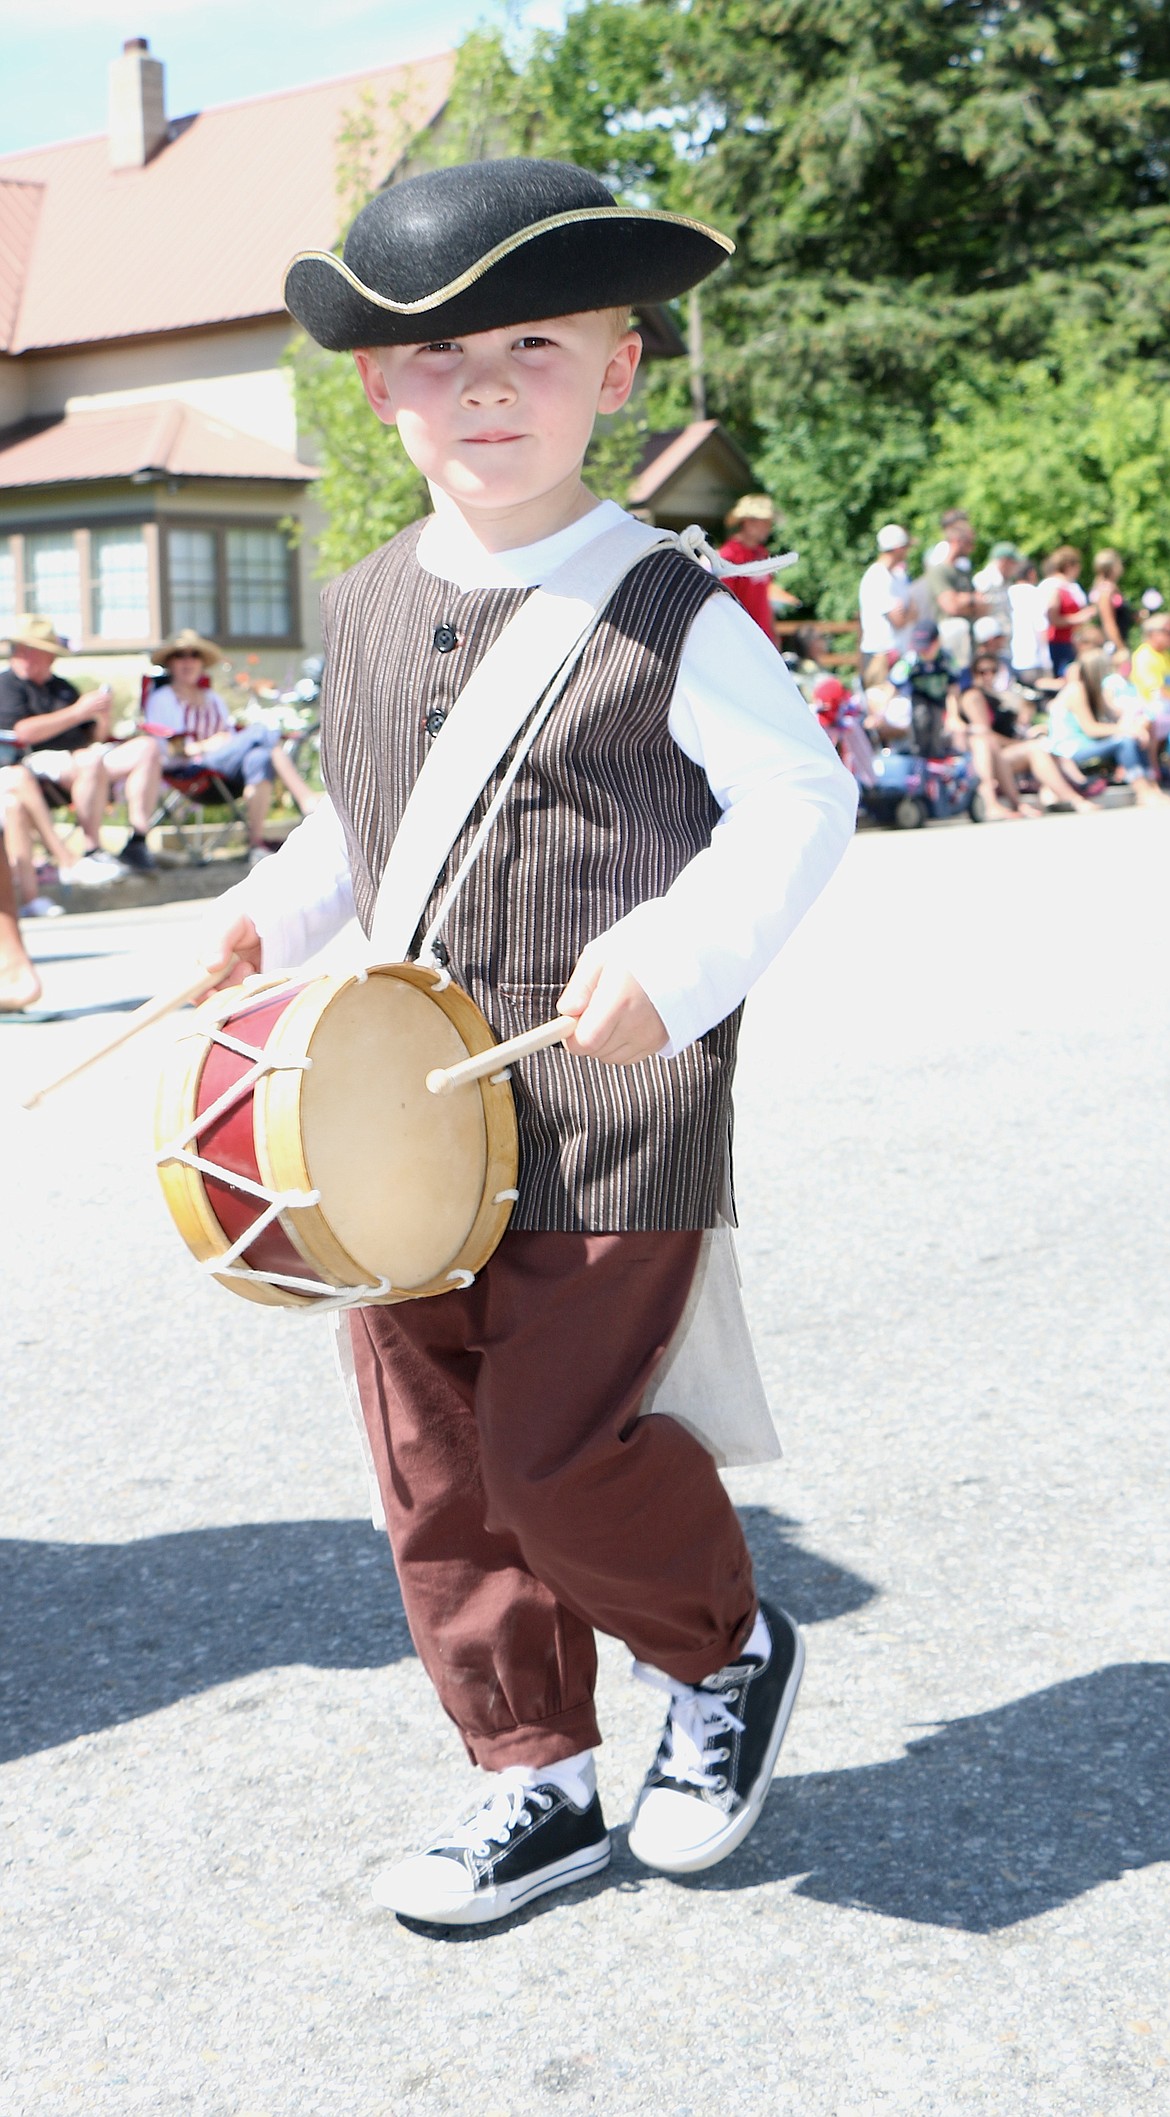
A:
367	489
1060	449
952	280
924	199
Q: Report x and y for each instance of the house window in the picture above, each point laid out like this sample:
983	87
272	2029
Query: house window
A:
7	587
257	584
52	581
230	582
192	580
121	584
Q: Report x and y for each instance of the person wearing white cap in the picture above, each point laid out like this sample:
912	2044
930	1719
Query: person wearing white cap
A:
886	609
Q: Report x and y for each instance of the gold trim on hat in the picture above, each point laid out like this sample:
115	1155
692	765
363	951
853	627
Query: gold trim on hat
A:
502	250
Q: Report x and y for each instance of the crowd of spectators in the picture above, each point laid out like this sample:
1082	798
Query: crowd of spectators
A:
1053	689
59	753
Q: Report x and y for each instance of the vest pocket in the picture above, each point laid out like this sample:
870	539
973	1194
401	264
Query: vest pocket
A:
523	1007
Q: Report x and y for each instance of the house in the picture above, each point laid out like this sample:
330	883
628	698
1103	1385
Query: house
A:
689	474
151	473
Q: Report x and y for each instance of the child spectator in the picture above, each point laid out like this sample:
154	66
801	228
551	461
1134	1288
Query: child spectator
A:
927	677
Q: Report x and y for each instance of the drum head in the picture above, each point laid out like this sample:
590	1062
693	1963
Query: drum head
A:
400	1171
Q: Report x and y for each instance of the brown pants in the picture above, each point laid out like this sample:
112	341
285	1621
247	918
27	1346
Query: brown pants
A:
527	1503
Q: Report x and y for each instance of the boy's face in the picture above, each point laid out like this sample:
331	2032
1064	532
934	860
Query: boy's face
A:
501	418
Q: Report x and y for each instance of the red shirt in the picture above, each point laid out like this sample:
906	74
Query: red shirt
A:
752	591
1072	597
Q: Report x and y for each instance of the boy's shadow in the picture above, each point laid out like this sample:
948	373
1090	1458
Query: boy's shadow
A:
993	1819
97	1634
812	1589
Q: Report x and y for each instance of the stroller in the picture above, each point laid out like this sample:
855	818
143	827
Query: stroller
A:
909	791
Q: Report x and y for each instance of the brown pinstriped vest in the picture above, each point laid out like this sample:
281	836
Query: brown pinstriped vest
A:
605	813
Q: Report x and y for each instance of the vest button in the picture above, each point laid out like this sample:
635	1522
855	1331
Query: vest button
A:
446	638
434	720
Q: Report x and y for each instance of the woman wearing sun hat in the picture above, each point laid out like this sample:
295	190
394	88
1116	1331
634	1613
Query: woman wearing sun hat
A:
194	724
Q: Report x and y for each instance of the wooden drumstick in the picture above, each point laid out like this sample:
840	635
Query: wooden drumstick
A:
443	1080
142	1018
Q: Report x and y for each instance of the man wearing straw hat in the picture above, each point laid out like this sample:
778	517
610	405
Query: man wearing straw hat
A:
64	740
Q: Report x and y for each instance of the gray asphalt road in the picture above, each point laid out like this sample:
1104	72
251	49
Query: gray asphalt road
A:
953	1147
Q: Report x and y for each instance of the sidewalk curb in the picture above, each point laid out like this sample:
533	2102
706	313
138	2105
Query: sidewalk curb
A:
163	885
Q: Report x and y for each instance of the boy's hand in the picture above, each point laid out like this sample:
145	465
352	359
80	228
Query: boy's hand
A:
232	948
616	1022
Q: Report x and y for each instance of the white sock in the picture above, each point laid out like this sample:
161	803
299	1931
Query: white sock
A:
574	1775
759	1640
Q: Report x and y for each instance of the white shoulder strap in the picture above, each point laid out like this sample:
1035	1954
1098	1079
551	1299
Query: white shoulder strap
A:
538	649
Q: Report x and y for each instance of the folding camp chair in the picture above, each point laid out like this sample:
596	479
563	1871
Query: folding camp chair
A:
189	788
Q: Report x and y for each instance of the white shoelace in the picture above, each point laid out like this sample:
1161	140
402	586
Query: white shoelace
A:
697	1717
506	1806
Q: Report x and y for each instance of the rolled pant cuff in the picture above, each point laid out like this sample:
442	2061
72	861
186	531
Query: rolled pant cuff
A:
694	1667
537	1742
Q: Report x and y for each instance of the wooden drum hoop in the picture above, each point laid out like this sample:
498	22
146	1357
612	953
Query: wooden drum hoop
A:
250	1077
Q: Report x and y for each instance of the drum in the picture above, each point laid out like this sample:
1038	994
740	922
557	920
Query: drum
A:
304	1161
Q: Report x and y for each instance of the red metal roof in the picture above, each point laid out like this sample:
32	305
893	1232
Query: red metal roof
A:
131	439
19	204
202	234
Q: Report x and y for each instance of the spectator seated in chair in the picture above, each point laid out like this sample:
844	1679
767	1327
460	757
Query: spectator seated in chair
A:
20	986
64	741
1080	728
1000	748
24	817
195	733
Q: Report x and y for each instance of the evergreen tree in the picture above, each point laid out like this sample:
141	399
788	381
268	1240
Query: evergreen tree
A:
952	280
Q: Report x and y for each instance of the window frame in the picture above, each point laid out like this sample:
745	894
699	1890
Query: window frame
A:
218	526
154	530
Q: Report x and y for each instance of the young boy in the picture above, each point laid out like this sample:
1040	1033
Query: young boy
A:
927	676
673	821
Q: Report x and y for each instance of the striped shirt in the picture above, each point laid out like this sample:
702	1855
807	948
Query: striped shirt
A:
198	721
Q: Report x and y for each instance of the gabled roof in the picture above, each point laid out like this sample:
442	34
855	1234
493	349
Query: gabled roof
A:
666	454
201	235
19	206
133	440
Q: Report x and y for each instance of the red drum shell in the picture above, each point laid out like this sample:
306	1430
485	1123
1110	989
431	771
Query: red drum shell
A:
230	1141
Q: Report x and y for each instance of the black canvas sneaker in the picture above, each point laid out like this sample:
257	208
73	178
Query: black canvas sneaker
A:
519	1843
719	1747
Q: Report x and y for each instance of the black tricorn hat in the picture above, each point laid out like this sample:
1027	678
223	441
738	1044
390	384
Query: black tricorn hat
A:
487	244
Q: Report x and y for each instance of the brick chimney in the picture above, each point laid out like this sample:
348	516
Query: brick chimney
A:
138	118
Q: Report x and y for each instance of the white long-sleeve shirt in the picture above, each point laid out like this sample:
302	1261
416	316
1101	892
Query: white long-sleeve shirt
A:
788	807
